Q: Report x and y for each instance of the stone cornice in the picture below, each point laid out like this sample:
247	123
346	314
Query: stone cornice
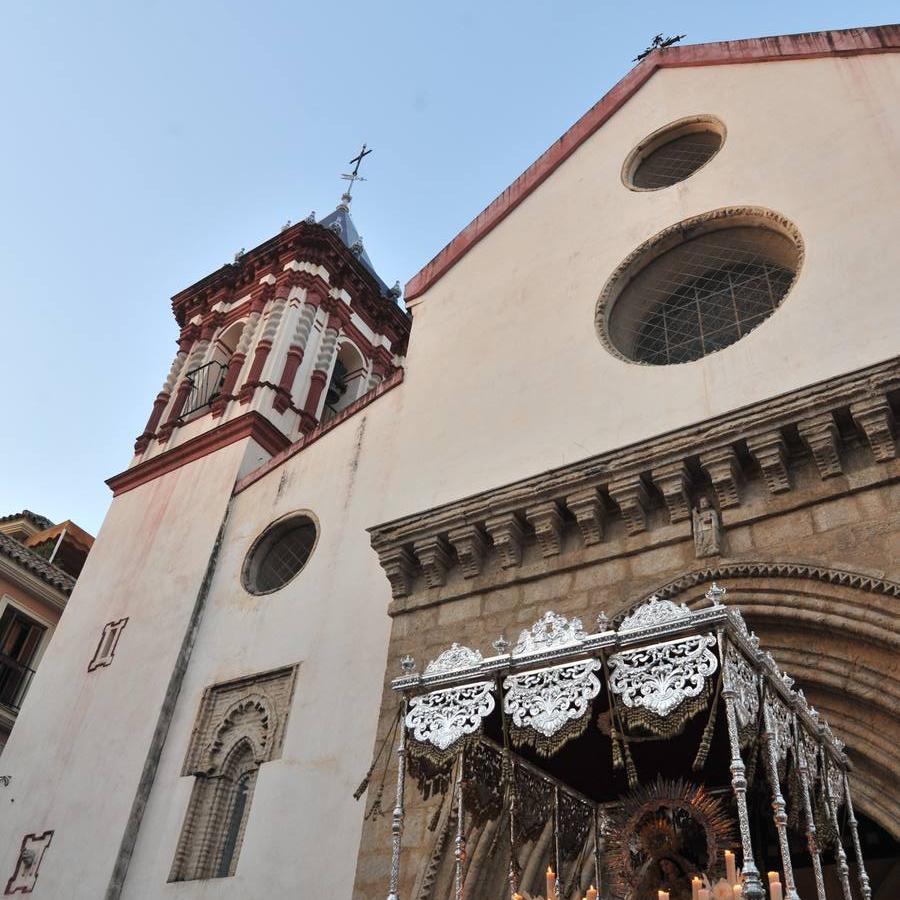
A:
731	570
255	272
32	583
250	425
764	441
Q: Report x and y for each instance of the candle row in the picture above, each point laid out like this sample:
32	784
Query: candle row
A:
551	888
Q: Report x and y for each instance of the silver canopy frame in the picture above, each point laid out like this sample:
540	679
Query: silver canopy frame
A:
660	656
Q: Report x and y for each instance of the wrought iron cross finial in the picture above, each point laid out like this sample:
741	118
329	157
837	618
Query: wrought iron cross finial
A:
354	176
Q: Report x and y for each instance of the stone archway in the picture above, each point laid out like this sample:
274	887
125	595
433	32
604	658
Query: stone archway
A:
834	631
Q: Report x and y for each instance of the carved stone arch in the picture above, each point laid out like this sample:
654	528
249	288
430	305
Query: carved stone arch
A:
242	757
249	719
835	632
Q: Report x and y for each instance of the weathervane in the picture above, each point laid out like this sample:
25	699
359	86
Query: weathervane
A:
354	176
659	43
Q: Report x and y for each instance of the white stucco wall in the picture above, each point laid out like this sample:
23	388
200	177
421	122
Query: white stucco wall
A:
80	741
505	378
505	365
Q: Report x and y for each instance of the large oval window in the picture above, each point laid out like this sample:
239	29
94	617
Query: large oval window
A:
699	287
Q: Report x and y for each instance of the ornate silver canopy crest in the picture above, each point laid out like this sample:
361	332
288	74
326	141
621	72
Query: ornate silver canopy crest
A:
547	699
740	678
550	631
654	612
442	717
456	657
659	678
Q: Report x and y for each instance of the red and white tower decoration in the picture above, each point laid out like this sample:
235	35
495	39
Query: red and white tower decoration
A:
278	342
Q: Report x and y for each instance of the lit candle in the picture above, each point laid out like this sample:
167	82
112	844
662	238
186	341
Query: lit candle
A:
738	892
591	894
695	888
516	896
775	887
551	884
662	895
730	871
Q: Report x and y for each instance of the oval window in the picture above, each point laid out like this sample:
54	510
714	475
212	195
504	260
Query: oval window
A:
699	287
279	554
673	153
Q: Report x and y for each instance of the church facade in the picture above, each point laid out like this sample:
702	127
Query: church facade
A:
665	356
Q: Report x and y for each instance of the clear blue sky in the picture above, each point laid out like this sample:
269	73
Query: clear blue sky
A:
145	142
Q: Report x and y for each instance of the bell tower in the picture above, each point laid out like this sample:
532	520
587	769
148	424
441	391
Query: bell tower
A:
274	345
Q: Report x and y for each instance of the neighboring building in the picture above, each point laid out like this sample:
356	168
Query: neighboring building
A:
666	354
39	562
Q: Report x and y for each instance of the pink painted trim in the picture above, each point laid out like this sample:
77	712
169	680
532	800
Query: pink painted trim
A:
852	42
250	424
395	378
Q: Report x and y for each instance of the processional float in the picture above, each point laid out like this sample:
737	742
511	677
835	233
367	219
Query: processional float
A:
661	668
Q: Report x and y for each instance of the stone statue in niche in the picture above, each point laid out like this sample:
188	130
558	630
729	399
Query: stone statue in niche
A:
707	530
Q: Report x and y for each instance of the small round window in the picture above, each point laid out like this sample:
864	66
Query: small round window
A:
699	286
279	554
673	153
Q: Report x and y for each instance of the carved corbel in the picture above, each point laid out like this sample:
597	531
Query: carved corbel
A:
547	522
470	545
507	534
724	471
770	452
434	558
399	565
587	507
821	435
875	418
674	482
631	497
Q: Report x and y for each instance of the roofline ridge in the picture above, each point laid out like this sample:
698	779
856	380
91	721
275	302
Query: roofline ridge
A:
803	45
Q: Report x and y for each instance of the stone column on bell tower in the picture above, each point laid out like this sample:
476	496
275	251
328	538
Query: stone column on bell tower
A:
185	343
324	360
264	344
294	357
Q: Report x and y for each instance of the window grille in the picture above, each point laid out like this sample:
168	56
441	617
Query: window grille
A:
676	160
279	555
205	383
703	294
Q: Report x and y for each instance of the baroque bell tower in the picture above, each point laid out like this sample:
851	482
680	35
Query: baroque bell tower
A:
274	345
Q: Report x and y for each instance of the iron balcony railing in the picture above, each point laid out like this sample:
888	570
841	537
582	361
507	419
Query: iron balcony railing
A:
15	680
206	382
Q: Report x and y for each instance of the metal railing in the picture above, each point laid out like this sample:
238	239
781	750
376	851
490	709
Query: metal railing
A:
15	679
206	382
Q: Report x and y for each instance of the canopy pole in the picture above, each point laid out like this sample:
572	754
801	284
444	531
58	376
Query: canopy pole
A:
512	801
556	855
597	852
778	806
753	889
397	818
460	852
812	839
830	802
864	885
